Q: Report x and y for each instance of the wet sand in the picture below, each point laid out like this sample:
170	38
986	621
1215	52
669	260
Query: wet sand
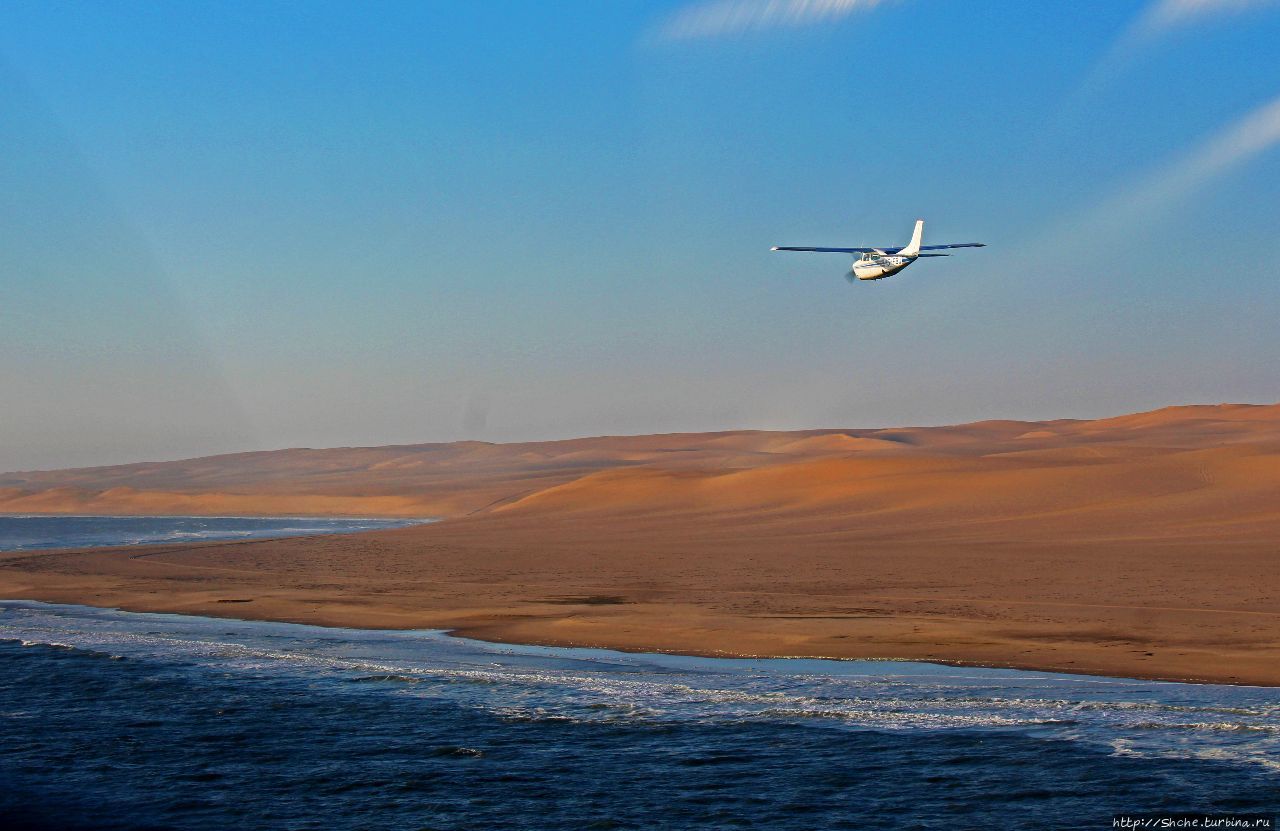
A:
1142	546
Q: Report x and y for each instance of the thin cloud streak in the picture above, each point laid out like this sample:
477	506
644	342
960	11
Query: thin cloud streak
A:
1165	15
1231	147
1162	17
1115	218
1158	19
729	18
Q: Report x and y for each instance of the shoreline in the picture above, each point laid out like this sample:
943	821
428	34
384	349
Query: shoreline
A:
107	531
958	664
438	576
716	655
502	629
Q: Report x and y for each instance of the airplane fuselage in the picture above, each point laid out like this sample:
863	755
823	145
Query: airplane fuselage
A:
879	267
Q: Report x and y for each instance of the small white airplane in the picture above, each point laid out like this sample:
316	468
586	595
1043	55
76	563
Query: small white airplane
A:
878	263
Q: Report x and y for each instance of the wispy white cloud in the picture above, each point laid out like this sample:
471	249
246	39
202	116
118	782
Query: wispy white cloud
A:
727	18
1157	20
1231	147
1114	218
1099	241
1165	15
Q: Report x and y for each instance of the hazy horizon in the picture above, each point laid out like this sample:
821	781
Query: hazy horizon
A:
553	438
242	227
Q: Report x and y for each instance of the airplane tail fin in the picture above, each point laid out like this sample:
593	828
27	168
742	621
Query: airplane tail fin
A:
913	248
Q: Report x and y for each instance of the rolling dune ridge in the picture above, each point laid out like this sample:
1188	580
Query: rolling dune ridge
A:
1144	545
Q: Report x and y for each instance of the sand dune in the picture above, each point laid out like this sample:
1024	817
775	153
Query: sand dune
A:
461	477
1146	544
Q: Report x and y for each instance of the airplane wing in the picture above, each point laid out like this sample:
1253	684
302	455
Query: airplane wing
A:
827	250
891	249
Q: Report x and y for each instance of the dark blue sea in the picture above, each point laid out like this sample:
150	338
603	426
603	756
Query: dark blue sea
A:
115	720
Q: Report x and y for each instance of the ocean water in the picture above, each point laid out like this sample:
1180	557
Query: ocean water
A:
29	531
114	720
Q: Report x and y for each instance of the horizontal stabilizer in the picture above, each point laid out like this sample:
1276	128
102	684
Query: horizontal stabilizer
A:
933	255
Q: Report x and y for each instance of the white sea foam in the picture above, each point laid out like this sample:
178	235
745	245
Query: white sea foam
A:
527	683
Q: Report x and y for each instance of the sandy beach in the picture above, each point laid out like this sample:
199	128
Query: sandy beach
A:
1145	545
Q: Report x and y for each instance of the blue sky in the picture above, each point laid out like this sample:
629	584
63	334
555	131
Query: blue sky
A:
239	226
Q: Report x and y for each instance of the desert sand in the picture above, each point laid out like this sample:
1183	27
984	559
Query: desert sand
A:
1146	545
